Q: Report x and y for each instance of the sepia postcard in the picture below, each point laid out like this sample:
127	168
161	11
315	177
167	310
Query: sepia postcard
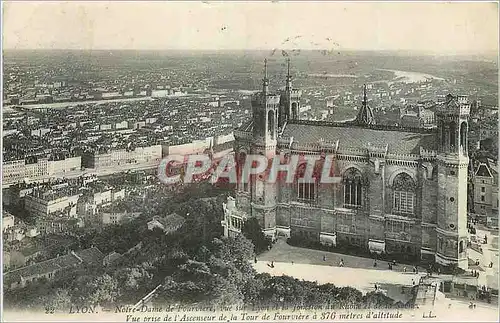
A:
250	161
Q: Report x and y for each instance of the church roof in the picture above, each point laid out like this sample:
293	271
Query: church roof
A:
454	105
365	115
483	170
398	141
246	126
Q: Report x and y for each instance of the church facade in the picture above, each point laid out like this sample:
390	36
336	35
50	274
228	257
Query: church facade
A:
403	191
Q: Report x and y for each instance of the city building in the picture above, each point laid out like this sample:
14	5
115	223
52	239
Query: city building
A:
167	224
36	169
111	258
20	231
114	218
58	223
43	203
48	269
94	200
486	193
65	165
123	158
15	171
16	230
403	191
7	221
24	257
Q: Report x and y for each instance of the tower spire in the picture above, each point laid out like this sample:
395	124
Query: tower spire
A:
265	68
365	114
364	95
288	76
265	80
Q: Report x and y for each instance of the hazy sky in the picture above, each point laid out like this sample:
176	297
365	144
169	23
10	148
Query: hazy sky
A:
436	27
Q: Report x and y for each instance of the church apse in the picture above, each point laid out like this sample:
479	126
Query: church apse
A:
401	188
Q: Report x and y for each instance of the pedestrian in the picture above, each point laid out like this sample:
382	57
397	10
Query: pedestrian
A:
413	282
324	257
439	270
404	269
491	264
375	263
272	264
255	260
341	264
376	287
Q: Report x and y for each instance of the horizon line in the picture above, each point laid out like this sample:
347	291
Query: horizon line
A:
423	51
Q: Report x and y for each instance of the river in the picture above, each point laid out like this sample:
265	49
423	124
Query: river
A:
59	105
333	75
410	77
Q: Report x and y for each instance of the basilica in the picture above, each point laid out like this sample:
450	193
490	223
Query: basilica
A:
403	191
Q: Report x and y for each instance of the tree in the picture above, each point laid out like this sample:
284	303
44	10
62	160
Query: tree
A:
236	248
377	300
133	282
347	296
94	290
59	299
190	283
225	292
252	230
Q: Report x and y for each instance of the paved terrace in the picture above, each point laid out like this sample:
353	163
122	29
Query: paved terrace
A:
308	264
283	252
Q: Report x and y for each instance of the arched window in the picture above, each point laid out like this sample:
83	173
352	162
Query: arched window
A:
463	136
443	133
353	188
286	113
305	191
270	123
461	247
453	134
240	165
294	110
403	194
434	172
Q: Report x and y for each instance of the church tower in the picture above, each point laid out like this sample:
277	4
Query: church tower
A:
265	107
290	101
453	161
365	114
